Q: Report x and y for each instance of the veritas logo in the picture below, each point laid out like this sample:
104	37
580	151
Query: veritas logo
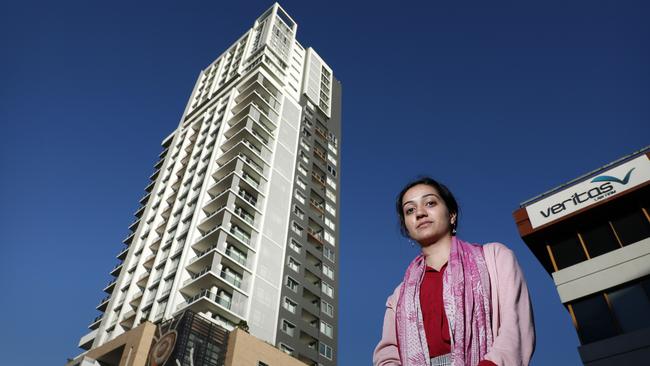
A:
596	194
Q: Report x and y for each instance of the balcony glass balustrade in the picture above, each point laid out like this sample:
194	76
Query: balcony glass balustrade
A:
235	254
240	234
230	278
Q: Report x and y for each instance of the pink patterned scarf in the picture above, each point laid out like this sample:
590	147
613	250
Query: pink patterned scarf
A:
466	296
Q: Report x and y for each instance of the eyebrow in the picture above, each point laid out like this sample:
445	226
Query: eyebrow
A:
426	195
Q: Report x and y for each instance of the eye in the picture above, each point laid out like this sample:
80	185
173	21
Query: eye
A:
409	210
432	203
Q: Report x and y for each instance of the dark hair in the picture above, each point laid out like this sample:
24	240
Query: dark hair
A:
445	194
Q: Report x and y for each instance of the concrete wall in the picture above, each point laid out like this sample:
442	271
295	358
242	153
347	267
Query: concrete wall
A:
246	350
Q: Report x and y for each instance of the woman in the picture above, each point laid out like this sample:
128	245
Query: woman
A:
459	304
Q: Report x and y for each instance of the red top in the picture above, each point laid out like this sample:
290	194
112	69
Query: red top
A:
436	326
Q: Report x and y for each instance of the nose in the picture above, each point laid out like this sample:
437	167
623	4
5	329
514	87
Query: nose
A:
420	212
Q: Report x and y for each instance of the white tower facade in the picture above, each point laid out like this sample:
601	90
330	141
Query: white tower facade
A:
240	220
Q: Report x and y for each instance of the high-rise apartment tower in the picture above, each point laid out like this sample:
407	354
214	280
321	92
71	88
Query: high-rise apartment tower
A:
240	220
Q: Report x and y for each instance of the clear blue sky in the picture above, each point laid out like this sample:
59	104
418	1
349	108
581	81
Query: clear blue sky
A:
500	100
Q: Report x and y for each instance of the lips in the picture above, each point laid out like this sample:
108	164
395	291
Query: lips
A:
424	224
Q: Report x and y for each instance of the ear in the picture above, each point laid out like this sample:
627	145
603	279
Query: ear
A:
452	218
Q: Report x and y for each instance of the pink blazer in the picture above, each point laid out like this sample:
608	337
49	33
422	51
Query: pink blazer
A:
512	315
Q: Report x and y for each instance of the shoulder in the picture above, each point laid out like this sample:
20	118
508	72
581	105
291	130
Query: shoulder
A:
497	251
391	302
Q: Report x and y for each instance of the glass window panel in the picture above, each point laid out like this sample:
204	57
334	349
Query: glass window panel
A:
632	227
599	239
568	251
594	319
631	306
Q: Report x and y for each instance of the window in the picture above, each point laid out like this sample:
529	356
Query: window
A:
631	306
328	271
298	212
325	350
568	251
296	228
331	182
330	238
329	208
289	305
288	328
330	223
631	227
330	195
327	289
331	170
326	329
302	170
594	320
332	148
292	284
304	144
329	254
286	349
293	264
300	183
599	239
326	308
299	197
293	244
331	159
303	156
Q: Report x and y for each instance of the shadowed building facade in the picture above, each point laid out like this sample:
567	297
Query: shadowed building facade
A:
593	236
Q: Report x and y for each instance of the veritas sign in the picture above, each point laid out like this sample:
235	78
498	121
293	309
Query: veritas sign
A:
590	191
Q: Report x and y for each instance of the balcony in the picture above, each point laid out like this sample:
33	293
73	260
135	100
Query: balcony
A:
255	113
318	179
321	133
264	103
145	199
142	281
254	127
149	187
123	253
129	238
217	203
87	341
249	198
258	82
245	216
321	154
135	300
148	263
251	140
103	303
155	174
140	211
315	235
96	322
111	285
128	319
240	234
231	278
221	304
116	270
247	153
213	220
236	255
318	206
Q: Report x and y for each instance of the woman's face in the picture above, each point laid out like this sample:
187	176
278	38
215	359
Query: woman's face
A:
426	216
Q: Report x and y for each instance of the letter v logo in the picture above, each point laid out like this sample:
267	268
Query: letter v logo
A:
607	178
